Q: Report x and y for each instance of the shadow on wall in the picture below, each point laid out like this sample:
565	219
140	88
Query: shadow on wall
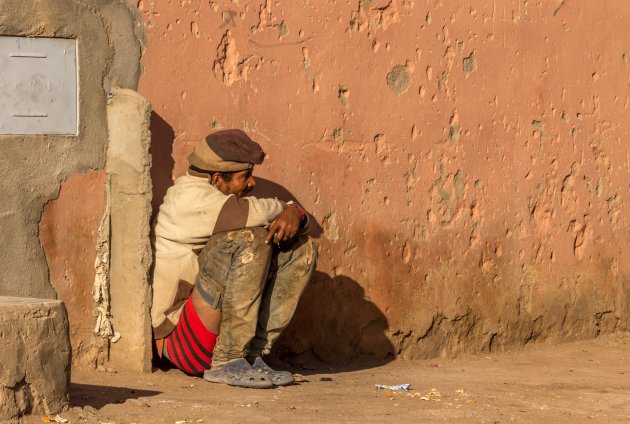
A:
336	324
161	151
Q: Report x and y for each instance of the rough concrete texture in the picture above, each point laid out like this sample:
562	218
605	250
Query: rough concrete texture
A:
479	207
34	357
128	169
33	168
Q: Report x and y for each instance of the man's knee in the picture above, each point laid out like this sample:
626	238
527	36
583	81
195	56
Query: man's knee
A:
251	246
233	244
307	252
238	252
253	235
300	256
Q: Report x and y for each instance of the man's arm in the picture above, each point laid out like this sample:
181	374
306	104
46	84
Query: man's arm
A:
284	220
239	213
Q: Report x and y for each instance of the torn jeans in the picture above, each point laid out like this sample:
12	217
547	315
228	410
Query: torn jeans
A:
257	287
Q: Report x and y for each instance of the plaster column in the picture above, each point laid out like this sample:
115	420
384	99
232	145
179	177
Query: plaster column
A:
129	184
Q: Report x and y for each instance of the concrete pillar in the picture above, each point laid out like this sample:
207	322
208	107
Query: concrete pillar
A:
129	183
34	357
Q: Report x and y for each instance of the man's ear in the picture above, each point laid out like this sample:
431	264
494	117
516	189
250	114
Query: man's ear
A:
215	178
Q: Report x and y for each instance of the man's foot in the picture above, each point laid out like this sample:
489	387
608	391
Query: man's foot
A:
238	372
278	378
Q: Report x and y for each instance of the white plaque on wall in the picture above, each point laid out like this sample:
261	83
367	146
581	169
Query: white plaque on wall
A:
38	86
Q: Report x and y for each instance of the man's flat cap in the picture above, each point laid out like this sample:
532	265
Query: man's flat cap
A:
226	151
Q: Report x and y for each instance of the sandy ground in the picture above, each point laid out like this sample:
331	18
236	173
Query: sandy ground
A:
585	381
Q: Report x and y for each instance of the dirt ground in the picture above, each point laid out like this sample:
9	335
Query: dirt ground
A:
586	381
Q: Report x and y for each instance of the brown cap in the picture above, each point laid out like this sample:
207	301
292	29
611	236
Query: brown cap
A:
226	151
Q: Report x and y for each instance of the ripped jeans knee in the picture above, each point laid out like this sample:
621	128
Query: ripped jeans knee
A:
231	255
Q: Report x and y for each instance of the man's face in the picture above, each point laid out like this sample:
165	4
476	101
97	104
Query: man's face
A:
242	182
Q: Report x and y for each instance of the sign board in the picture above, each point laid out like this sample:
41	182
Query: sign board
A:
38	86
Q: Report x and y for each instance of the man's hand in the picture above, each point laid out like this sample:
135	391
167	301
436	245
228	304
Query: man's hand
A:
285	226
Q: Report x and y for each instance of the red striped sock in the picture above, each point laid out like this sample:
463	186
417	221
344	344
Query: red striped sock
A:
190	345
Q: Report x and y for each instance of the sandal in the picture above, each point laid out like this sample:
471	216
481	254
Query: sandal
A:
239	373
278	378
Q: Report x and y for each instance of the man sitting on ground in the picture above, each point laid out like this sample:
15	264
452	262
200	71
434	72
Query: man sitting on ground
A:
229	270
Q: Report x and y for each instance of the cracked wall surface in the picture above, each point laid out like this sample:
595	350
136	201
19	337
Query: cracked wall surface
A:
53	186
467	162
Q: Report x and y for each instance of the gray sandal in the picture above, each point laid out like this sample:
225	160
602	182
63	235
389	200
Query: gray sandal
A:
239	373
278	378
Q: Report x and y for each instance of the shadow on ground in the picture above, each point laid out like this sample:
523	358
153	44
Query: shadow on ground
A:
83	395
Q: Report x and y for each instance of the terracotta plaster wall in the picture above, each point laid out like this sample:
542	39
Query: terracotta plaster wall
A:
53	186
467	161
68	233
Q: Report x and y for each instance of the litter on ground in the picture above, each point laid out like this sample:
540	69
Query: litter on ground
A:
393	387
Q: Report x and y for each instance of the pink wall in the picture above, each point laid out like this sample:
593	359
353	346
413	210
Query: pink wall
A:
68	235
467	163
